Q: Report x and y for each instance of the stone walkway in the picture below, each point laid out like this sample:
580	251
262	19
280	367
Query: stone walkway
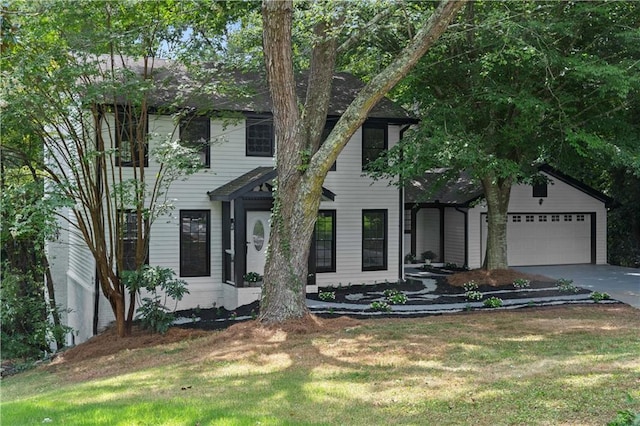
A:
417	309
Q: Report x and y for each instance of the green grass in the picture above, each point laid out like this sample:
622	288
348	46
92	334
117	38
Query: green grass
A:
554	366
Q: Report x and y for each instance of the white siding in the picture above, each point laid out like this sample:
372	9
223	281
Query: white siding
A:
428	232
355	193
454	244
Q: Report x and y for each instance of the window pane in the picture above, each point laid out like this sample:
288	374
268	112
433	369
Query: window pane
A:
374	240
195	133
326	241
194	243
127	137
130	240
259	137
374	142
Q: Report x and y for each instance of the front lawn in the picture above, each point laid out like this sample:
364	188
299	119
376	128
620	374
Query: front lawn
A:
566	365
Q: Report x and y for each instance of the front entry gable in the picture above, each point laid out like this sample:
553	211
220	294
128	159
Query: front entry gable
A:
256	183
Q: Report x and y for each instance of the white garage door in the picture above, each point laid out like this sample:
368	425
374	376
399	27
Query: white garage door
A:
546	239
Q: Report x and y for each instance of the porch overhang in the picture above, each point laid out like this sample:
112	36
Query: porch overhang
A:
254	184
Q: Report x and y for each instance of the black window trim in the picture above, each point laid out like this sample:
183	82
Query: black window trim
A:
385	247
329	124
125	214
540	190
207	152
332	267
373	125
259	119
183	213
119	112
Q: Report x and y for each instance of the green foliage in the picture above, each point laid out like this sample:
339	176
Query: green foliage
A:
597	296
566	285
26	329
626	417
493	302
473	295
380	306
395	297
252	277
161	285
428	255
327	295
517	84
521	283
470	286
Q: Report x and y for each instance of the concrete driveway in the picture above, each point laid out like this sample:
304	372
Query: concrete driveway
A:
620	283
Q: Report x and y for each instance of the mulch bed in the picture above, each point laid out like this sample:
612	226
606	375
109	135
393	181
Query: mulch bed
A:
446	288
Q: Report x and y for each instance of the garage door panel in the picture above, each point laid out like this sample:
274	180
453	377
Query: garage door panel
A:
532	240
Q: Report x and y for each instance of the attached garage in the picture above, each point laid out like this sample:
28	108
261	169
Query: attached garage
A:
547	238
561	222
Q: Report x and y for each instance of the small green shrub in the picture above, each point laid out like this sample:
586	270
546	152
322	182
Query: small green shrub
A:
521	283
153	313
428	255
395	297
566	285
473	295
327	295
493	302
380	306
252	277
470	286
625	418
596	296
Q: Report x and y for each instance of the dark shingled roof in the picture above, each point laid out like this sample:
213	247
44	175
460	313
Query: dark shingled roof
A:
219	89
434	188
244	184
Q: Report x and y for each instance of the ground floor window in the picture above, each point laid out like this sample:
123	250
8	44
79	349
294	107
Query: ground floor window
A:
326	241
374	240
195	247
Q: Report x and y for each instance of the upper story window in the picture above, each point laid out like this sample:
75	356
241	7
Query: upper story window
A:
195	132
259	133
131	137
374	142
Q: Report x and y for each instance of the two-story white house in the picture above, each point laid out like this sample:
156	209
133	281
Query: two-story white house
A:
219	229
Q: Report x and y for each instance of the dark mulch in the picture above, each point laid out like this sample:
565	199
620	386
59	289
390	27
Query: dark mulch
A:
447	287
442	292
217	318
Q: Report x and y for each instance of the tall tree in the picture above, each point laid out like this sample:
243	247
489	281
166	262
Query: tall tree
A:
82	79
518	84
298	130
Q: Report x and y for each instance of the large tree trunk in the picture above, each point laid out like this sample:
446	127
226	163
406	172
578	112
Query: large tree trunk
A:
299	187
497	192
